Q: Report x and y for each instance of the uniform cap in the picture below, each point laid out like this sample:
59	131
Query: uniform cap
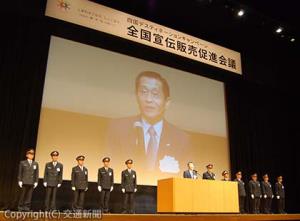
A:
30	151
129	161
80	157
224	172
106	159
210	166
54	153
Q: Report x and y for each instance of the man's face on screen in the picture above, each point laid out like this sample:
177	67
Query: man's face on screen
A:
151	99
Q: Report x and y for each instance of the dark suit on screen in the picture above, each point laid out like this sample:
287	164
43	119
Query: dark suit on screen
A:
126	140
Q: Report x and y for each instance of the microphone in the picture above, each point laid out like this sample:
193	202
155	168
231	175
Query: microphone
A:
137	125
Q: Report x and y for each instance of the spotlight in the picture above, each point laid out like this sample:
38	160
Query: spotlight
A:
279	30
241	12
293	39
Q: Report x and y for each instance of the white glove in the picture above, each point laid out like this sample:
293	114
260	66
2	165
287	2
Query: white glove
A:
20	184
99	188
59	185
278	197
35	185
45	184
111	188
73	188
135	189
265	196
123	190
252	196
86	189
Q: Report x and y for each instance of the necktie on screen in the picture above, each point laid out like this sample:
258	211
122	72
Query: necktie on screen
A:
151	149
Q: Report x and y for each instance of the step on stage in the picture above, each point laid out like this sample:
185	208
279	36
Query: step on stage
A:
163	217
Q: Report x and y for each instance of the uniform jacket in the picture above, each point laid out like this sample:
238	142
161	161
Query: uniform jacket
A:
79	178
53	175
28	174
128	180
105	178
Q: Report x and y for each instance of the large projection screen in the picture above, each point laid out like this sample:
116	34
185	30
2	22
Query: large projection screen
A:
101	103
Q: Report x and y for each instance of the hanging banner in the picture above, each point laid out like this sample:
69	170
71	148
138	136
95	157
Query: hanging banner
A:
111	21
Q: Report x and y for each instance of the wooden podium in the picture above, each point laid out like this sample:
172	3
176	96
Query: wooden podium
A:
181	195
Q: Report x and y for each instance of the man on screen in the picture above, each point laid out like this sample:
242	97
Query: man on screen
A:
156	144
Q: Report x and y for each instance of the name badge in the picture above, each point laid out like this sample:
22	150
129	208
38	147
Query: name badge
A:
34	167
133	176
85	172
282	187
58	169
109	174
49	168
258	184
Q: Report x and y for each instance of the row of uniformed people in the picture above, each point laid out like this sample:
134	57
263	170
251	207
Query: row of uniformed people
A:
29	174
259	192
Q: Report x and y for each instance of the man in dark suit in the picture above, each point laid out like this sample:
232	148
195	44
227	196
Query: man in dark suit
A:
105	184
241	191
190	173
28	178
52	180
79	183
267	193
255	194
280	195
156	144
225	175
209	175
129	187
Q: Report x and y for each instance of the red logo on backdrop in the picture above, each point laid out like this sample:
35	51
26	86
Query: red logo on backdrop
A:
63	5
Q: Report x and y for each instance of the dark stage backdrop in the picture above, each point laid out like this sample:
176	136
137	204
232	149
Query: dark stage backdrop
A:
263	121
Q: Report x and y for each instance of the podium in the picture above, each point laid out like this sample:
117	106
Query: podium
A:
181	195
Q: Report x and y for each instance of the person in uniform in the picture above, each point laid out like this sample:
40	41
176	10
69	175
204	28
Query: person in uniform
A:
28	178
225	175
255	194
267	193
129	187
241	191
105	184
79	182
190	173
209	175
52	180
280	195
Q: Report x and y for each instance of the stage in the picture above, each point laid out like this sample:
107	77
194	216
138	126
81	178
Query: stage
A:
155	217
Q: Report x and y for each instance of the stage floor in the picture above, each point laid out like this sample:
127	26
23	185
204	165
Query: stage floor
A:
153	217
